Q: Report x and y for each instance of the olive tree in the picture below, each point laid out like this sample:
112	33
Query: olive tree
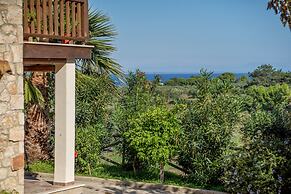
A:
210	121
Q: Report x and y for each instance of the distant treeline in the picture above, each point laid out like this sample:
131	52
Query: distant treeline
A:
265	75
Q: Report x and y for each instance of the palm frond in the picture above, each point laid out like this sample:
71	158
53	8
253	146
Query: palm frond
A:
32	95
102	34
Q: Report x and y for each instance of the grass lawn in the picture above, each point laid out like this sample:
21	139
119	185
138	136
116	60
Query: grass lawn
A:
108	170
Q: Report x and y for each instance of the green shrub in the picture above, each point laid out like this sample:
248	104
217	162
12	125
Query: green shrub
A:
138	96
261	163
252	169
181	81
211	119
267	75
153	135
89	141
227	76
269	97
94	95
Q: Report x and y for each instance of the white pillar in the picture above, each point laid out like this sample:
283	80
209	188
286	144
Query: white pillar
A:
64	123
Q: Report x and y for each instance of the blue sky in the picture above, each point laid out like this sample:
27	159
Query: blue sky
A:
183	36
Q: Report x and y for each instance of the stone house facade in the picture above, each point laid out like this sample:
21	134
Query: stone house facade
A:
11	97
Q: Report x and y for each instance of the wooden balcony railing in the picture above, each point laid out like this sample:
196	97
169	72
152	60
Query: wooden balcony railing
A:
56	19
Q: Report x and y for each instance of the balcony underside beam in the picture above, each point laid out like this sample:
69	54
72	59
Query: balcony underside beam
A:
55	51
43	68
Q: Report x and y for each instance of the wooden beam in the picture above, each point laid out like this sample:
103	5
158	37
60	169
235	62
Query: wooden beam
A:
37	61
43	68
55	51
27	35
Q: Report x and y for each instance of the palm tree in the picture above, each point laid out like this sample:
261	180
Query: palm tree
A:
102	33
37	134
32	95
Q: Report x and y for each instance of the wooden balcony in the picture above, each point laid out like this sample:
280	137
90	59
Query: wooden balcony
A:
54	20
55	30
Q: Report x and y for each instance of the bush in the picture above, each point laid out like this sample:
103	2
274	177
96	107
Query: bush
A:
252	166
89	141
138	96
261	163
210	121
153	135
267	75
93	97
267	98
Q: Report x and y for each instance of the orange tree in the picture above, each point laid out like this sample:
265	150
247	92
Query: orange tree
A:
154	135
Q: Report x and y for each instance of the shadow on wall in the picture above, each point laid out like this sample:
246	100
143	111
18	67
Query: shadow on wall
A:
4	68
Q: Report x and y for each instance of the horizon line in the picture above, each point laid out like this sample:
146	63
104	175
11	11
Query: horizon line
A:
188	72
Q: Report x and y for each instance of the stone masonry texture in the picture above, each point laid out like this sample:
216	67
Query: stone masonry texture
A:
11	97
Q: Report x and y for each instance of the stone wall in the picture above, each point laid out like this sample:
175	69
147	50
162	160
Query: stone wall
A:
11	97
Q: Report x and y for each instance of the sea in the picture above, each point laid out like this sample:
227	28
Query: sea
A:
167	76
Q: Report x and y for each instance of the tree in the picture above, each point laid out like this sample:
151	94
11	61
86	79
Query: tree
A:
157	80
282	7
37	124
269	97
137	97
267	75
211	118
102	33
93	96
89	142
260	162
154	135
227	76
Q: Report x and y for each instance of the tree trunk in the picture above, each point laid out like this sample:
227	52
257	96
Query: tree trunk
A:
134	166
123	154
162	173
37	134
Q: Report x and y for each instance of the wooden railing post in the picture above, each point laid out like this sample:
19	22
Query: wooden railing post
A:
44	16
38	17
85	17
68	18
25	17
56	17
79	20
50	14
73	19
62	20
32	15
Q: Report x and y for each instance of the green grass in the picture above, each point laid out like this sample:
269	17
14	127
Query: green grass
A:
107	170
149	176
7	192
41	166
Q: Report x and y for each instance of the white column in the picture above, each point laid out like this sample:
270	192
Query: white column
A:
64	123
